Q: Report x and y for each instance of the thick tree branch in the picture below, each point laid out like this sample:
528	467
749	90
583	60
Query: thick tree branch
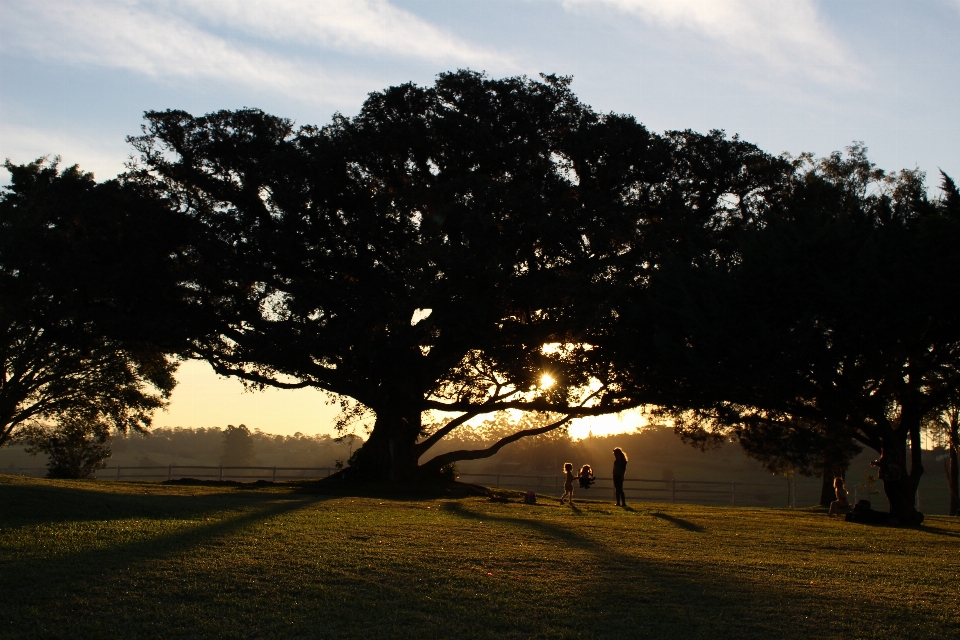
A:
421	447
538	405
478	454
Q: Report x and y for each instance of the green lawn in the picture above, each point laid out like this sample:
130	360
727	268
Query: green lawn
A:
126	560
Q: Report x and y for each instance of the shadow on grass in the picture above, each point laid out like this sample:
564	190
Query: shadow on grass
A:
667	597
680	522
413	491
926	528
630	594
55	503
60	578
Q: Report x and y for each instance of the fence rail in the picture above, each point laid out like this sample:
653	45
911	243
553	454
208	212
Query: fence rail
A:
198	472
786	492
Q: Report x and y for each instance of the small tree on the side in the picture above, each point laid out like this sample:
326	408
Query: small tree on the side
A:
76	448
945	428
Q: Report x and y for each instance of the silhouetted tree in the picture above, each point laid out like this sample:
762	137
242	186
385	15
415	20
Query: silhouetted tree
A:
442	250
78	280
237	447
839	317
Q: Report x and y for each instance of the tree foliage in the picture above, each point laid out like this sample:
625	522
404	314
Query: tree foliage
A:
837	321
445	248
79	297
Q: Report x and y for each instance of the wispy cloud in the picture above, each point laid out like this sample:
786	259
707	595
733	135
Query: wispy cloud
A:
123	35
196	40
786	35
356	26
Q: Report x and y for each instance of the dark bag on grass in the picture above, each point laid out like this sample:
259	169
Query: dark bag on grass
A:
863	514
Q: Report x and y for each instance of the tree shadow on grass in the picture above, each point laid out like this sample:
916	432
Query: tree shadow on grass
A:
634	596
68	583
411	491
680	522
623	590
926	528
38	504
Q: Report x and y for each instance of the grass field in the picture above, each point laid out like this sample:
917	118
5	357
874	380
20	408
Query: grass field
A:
119	560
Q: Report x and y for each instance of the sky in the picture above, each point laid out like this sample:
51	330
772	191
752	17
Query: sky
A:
791	76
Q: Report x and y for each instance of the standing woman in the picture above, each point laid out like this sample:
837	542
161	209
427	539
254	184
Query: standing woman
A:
619	470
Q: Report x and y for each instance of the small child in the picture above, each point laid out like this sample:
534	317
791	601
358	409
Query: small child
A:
567	482
586	477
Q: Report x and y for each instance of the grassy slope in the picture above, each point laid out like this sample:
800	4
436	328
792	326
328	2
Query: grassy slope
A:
87	559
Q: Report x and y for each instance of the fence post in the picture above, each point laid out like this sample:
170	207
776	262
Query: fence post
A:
118	472
498	480
673	489
221	473
274	474
170	473
794	494
733	494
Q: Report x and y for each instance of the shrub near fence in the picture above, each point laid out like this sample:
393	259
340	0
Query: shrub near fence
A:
784	493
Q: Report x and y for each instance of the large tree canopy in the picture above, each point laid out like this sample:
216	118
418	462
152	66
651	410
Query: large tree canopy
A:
836	323
445	249
83	279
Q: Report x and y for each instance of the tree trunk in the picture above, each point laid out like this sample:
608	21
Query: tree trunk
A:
389	453
954	477
831	469
899	486
826	487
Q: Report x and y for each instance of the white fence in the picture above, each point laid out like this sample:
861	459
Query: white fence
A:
763	494
779	493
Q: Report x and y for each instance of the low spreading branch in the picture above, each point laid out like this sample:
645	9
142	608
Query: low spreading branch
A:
479	454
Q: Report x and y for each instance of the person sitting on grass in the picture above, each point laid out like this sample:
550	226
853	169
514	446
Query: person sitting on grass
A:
586	477
567	482
841	504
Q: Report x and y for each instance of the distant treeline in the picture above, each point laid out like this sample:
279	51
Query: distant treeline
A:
211	446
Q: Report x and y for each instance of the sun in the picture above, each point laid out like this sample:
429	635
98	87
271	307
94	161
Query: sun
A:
546	381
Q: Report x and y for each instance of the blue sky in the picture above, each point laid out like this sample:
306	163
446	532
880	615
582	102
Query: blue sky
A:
788	75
